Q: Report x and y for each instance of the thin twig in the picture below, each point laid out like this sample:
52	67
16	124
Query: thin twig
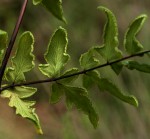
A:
74	74
12	40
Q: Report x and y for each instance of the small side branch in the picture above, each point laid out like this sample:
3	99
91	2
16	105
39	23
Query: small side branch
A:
74	74
12	40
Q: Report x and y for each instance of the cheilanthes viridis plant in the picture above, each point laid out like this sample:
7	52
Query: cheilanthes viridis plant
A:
13	81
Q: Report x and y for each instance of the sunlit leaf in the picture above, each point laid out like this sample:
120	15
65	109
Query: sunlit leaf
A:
140	67
23	60
55	56
132	45
24	91
23	108
3	43
109	50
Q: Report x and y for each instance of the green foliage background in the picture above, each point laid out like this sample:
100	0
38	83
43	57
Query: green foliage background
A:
85	25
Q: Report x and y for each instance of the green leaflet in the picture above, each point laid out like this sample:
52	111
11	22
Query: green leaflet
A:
36	2
132	45
87	60
70	79
140	67
24	91
55	7
21	92
109	50
56	93
75	96
23	108
55	56
23	60
3	43
106	85
79	97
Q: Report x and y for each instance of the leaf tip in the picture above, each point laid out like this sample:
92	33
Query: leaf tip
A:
64	20
61	28
39	131
134	101
96	123
36	2
101	8
144	16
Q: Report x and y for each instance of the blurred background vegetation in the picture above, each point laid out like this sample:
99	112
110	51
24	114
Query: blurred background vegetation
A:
85	25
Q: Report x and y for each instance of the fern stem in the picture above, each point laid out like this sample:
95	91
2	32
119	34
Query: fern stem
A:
12	40
77	73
